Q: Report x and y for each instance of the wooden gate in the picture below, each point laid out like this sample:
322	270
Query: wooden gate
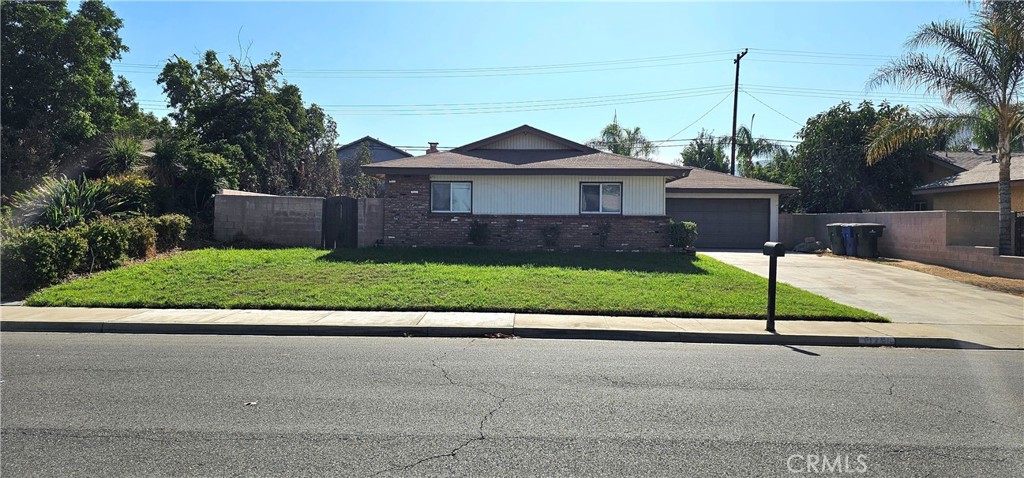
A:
341	220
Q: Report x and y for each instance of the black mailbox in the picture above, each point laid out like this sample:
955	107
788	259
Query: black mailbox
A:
774	249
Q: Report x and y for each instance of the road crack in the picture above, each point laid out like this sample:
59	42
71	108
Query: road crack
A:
500	402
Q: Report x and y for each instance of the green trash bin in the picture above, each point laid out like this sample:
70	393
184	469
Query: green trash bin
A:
835	238
867	239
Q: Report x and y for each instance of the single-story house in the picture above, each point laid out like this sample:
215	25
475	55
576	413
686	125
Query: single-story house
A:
379	150
526	189
975	188
730	211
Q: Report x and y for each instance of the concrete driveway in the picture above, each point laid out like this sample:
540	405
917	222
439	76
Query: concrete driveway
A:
903	296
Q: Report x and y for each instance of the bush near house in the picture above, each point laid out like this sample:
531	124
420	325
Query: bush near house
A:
682	234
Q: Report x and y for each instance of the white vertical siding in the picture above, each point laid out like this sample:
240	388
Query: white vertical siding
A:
558	195
523	141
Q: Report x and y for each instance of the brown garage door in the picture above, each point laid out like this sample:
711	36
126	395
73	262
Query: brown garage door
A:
724	223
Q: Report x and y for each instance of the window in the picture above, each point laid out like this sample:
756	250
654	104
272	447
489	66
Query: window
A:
451	197
601	198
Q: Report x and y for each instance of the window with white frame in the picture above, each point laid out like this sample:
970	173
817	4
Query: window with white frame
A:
449	196
601	198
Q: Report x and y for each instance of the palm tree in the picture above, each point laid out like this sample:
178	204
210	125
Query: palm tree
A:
624	141
748	148
979	66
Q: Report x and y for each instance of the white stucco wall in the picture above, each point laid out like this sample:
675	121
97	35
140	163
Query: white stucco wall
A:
773	207
558	195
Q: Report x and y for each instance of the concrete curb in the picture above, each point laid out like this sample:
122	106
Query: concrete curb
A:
526	332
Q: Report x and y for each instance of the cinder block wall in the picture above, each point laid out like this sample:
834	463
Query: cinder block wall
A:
370	229
964	240
281	220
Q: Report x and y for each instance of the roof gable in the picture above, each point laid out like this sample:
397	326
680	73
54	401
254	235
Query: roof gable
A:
525	137
374	144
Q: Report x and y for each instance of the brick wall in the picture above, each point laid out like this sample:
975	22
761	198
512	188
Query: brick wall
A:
409	222
964	240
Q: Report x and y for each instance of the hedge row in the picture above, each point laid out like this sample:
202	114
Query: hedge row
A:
37	257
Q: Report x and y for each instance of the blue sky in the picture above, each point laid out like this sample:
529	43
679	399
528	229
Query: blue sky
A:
804	57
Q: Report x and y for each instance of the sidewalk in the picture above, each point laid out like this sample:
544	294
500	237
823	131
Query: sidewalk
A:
478	324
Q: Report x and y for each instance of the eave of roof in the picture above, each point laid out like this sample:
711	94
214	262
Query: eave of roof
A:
599	164
706	181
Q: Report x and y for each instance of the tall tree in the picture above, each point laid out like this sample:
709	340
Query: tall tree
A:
978	66
830	165
320	170
245	105
59	92
748	147
624	141
705	151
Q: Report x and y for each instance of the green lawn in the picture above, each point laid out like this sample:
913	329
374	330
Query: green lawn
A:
647	284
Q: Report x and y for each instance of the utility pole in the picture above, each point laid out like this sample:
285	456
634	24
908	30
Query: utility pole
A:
735	105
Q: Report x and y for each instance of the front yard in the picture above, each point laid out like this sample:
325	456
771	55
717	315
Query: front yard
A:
640	284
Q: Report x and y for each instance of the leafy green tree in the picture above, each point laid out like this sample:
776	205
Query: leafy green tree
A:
705	151
353	182
830	164
59	92
246	106
977	67
121	154
624	141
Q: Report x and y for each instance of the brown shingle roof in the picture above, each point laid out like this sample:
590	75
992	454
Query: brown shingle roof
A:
703	180
574	159
982	174
962	159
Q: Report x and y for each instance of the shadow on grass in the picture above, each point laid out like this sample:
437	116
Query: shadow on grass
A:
586	260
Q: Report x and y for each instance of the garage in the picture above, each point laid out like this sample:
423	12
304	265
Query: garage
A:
730	212
724	223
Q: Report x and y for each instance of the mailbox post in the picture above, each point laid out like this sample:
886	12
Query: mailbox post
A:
774	250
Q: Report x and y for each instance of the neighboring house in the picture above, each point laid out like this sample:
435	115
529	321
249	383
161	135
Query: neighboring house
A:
379	150
974	188
730	211
943	164
532	189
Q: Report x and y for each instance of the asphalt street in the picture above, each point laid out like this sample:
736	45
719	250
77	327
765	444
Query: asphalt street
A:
166	405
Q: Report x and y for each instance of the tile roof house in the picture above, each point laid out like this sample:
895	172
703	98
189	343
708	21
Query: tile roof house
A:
975	187
731	212
532	189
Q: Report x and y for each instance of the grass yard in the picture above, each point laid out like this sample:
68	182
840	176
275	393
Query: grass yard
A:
639	284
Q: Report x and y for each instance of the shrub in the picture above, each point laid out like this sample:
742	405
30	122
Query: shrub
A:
141	237
108	244
34	258
682	234
479	233
170	230
550	234
135	193
121	153
64	203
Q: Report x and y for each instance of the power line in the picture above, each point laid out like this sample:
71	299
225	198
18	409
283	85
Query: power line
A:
698	118
769	107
